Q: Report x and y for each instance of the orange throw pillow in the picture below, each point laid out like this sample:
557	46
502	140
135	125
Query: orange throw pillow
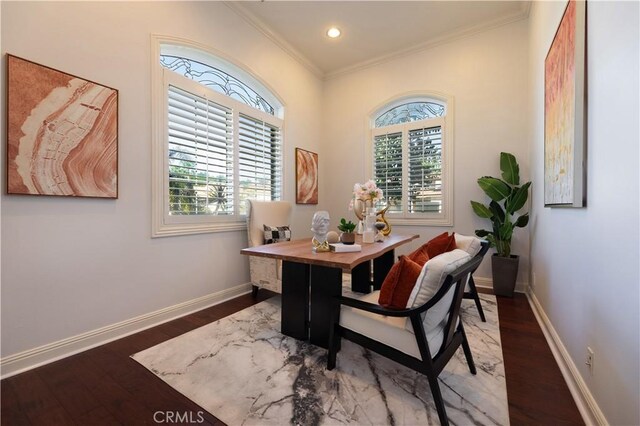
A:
398	284
420	256
441	244
432	248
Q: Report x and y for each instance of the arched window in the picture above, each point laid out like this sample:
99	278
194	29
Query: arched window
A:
411	163
410	111
216	79
218	143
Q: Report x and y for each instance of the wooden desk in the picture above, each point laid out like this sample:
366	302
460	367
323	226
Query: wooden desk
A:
310	280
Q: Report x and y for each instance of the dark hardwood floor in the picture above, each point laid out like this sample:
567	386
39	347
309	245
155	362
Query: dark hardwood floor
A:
105	386
537	392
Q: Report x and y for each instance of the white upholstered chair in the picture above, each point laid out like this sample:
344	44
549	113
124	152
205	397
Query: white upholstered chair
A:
265	273
426	334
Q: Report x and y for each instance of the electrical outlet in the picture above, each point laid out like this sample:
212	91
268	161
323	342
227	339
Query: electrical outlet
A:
590	360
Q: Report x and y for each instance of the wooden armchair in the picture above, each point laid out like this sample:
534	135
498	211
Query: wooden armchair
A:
470	291
424	337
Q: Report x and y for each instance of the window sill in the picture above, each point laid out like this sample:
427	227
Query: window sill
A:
165	230
420	222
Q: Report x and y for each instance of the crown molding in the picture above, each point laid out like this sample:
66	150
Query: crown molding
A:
263	28
523	13
258	24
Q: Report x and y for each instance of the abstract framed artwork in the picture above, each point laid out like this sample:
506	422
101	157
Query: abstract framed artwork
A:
62	133
565	111
306	177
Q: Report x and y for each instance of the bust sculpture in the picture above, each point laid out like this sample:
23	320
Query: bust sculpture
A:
320	227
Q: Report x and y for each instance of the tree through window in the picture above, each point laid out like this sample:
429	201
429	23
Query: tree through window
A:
409	160
222	142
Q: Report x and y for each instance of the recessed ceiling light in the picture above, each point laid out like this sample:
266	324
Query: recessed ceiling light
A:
333	32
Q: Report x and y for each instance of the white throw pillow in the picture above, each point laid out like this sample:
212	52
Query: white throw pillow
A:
429	282
433	275
471	245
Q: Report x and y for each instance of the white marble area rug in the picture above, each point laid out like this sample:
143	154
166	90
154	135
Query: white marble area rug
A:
244	372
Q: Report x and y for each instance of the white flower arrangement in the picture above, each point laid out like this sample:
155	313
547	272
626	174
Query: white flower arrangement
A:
367	192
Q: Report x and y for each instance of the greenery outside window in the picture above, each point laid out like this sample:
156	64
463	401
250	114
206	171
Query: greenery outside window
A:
218	142
412	146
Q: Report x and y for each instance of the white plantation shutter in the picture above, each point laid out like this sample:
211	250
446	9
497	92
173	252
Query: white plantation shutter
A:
387	168
412	161
425	170
218	141
259	161
200	155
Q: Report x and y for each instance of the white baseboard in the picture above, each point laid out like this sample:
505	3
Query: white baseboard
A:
484	282
32	358
591	413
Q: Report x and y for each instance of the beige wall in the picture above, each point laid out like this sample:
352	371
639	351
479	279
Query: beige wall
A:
69	266
486	73
73	265
585	261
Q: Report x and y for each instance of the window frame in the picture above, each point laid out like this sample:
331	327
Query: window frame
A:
164	224
444	218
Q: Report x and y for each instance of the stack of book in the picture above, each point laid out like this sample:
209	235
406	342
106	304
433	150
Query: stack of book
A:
345	248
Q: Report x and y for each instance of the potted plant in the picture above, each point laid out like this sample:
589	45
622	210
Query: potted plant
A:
507	197
347	236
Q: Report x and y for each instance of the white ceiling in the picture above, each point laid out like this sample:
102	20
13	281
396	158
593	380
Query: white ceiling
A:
371	30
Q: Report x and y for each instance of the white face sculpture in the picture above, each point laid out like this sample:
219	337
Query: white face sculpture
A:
320	225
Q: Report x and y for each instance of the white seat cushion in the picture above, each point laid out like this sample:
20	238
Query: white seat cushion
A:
471	245
429	282
433	274
396	332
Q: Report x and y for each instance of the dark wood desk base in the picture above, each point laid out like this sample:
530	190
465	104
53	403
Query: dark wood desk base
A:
295	300
308	290
361	278
381	267
326	283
